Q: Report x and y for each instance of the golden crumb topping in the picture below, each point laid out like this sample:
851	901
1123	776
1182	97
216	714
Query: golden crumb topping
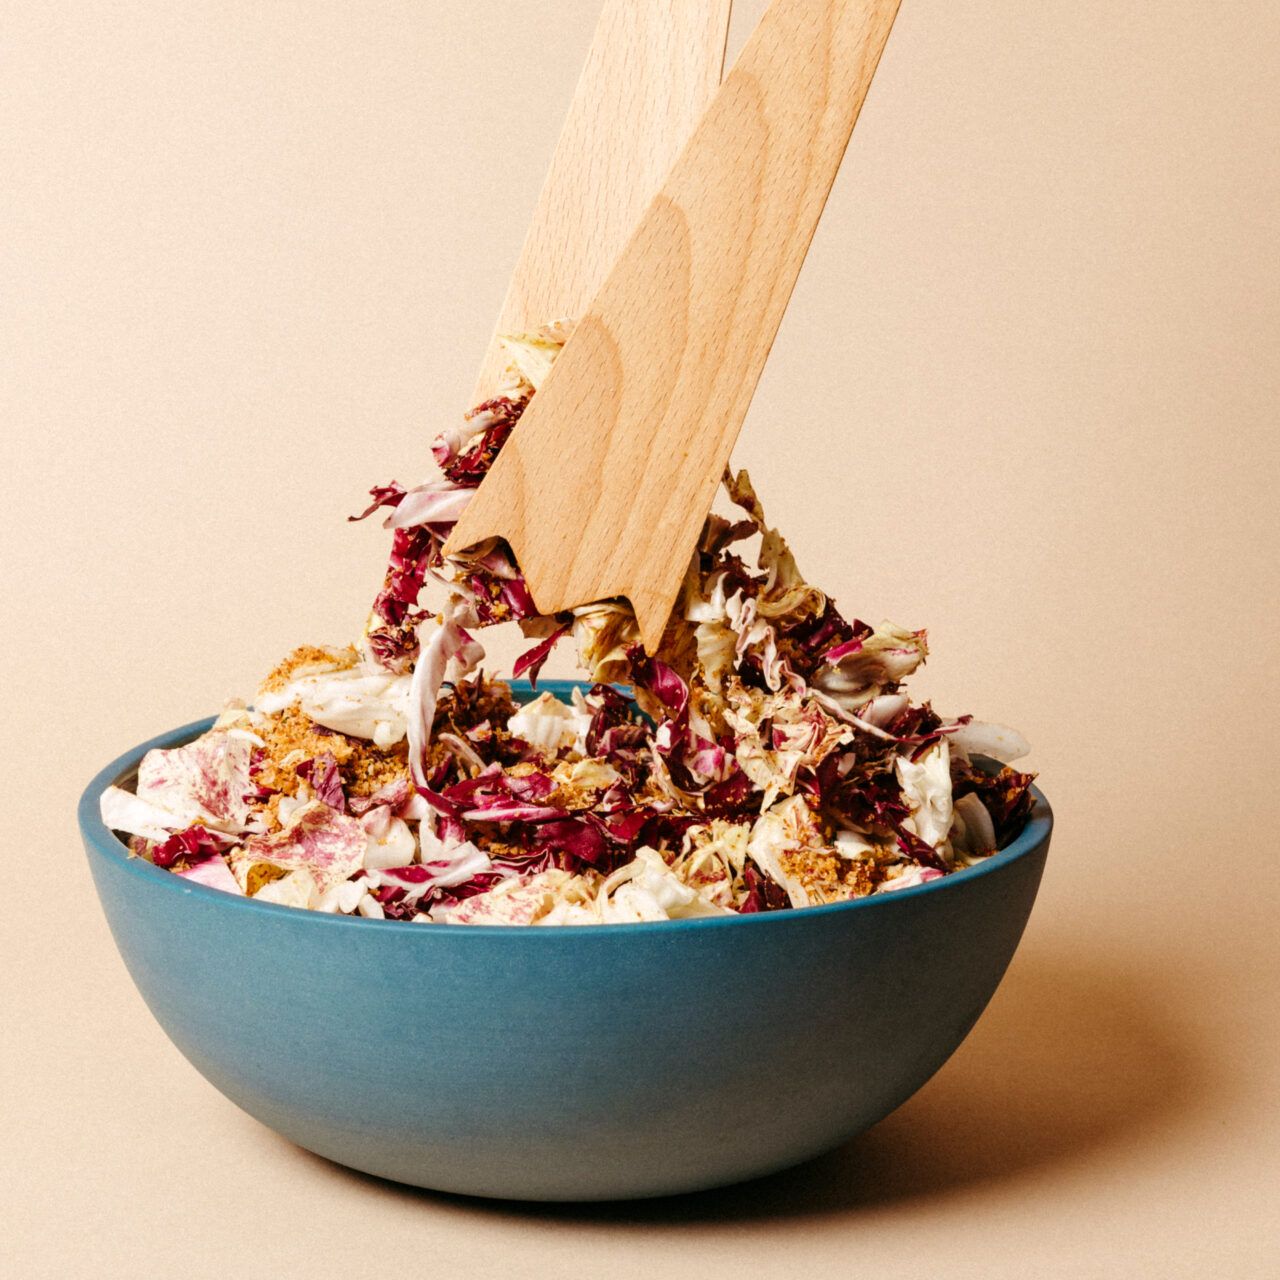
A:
496	848
291	737
305	658
371	768
437	753
573	795
827	877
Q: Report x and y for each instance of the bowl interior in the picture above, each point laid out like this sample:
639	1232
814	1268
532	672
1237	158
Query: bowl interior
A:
123	770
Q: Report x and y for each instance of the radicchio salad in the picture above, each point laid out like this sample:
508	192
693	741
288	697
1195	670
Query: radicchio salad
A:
766	757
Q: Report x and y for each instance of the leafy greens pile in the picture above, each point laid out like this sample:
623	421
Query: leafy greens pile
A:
765	757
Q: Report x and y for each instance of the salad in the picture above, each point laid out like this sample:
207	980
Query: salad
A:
765	758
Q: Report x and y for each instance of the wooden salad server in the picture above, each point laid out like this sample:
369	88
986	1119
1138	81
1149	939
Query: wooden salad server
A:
651	72
603	487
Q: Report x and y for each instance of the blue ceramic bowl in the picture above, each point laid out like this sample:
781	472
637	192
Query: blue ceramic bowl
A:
586	1063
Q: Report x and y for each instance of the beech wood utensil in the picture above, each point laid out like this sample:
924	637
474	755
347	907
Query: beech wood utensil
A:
603	487
650	74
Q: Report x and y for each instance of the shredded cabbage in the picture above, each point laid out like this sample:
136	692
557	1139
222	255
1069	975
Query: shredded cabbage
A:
766	757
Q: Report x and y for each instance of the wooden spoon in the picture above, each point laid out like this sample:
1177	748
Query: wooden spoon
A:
602	489
651	72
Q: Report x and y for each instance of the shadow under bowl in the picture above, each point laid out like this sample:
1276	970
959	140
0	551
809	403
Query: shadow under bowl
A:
589	1063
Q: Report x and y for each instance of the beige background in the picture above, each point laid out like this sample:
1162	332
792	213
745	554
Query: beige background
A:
1025	396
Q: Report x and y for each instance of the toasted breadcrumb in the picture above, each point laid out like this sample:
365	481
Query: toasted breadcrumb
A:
292	737
371	768
827	877
305	656
573	796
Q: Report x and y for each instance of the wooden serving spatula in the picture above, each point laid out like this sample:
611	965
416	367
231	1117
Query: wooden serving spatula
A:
651	72
603	487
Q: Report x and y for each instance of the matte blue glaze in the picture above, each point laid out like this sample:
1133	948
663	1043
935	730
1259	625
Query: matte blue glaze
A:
583	1063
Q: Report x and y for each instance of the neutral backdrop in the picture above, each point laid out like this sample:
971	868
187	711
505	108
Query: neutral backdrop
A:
250	254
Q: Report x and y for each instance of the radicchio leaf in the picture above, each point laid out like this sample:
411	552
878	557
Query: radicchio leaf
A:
577	838
470	464
190	845
322	773
1006	795
386	495
532	660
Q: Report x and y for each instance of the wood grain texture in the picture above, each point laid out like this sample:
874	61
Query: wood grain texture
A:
603	488
651	72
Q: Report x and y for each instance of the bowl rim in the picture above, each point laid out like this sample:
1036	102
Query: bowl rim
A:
104	842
